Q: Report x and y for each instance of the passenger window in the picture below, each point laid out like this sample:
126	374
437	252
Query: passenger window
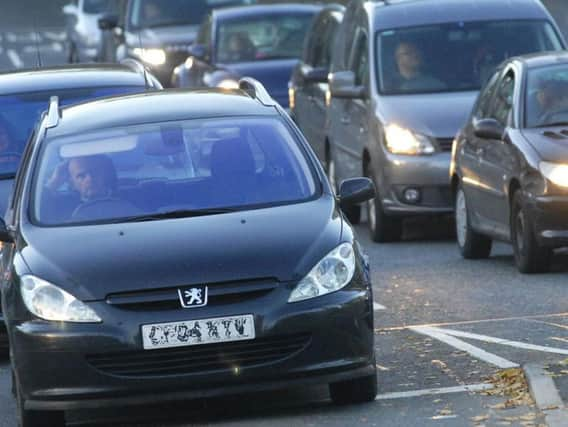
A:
503	100
314	48
204	35
485	97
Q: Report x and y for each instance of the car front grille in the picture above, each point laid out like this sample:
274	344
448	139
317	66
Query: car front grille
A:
445	144
168	299
200	359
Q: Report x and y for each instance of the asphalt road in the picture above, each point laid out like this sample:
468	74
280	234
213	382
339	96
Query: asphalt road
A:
442	323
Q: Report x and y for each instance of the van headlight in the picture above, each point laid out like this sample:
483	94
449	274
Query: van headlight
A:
400	140
332	273
556	173
49	302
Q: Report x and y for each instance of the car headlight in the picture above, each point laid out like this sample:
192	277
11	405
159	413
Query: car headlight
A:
555	173
403	141
48	302
332	273
228	84
151	56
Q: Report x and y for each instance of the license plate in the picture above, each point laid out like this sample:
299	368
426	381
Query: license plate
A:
196	332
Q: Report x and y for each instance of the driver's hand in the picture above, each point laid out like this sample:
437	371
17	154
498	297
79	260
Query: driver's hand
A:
59	177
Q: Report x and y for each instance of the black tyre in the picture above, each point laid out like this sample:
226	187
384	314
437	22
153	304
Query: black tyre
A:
353	213
382	227
530	258
359	390
472	245
27	418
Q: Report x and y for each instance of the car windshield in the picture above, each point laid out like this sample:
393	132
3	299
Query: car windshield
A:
266	37
547	96
156	13
169	170
19	114
454	57
99	6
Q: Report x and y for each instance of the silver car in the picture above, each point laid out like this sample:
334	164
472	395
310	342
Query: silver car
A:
403	81
82	28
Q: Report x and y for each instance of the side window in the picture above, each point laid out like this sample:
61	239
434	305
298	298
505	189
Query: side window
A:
319	58
204	35
329	41
313	41
484	101
503	100
360	59
344	40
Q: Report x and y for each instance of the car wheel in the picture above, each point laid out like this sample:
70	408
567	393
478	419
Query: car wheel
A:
353	213
382	227
472	245
529	256
359	390
27	418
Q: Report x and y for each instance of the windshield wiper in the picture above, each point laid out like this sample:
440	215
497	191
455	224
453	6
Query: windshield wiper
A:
547	125
186	213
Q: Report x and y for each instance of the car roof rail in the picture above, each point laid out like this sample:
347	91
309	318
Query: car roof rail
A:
256	90
53	113
137	67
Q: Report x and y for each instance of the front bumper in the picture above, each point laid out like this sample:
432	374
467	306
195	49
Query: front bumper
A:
426	174
550	219
55	369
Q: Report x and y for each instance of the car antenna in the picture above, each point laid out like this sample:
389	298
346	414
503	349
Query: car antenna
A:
143	66
36	42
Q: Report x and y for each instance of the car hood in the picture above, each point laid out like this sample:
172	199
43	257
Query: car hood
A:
440	115
91	262
550	143
164	36
273	74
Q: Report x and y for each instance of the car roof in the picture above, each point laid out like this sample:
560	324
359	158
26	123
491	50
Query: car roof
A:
236	12
157	106
542	59
409	13
68	77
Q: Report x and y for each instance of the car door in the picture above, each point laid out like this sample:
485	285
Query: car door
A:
497	158
354	117
201	67
470	149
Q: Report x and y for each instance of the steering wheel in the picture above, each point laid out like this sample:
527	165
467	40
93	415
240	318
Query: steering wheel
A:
105	209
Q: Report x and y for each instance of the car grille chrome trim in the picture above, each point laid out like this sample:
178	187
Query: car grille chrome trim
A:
200	359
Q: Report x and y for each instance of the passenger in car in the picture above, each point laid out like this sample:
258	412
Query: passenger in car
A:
551	98
410	64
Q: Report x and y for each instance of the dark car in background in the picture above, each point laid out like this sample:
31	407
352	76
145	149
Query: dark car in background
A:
510	163
264	42
158	32
179	284
403	81
308	88
25	94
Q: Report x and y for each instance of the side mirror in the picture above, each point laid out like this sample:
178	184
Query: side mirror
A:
342	85
356	190
198	51
488	129
315	75
108	22
5	234
69	9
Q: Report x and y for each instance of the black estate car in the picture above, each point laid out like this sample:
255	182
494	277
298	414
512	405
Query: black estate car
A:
25	94
170	245
509	167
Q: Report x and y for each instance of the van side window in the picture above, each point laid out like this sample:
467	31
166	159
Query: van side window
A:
360	59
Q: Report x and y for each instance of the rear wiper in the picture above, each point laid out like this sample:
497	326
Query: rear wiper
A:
187	213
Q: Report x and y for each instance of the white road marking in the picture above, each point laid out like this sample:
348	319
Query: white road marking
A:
476	352
435	391
501	341
51	35
377	306
15	58
11	37
57	47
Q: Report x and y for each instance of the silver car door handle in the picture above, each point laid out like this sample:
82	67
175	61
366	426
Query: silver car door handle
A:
345	120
